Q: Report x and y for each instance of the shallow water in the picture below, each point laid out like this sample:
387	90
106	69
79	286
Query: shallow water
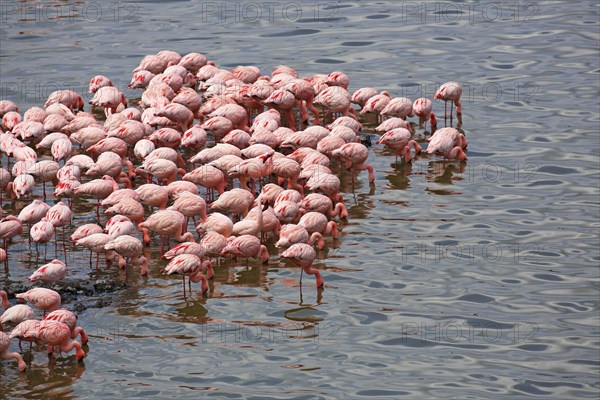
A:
449	280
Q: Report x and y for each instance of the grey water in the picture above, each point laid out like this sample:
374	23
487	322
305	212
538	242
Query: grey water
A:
449	280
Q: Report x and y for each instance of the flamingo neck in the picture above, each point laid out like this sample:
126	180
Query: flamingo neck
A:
4	298
200	277
313	271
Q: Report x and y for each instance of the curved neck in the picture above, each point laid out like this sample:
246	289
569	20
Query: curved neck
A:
200	277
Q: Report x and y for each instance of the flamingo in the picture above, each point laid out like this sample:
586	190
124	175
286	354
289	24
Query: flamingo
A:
33	212
399	139
167	223
110	98
303	256
355	155
9	227
317	222
361	96
99	189
5	355
291	234
450	91
97	82
449	143
246	246
84	231
57	334
190	265
42	298
50	273
69	319
153	195
393	123
16	314
128	247
400	107
422	108
216	222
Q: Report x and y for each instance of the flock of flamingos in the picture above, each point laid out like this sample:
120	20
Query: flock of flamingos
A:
64	147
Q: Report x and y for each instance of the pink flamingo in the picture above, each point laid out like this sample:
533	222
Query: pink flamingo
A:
317	222
16	314
450	91
303	256
335	99
99	189
361	96
9	227
163	170
216	222
5	355
190	205
11	119
194	138
42	298
152	63
190	265
449	143
349	122
67	97
193	62
131	248
292	233
84	231
393	123
21	186
95	243
234	201
110	98
179	114
422	108
167	223
283	100
399	139
120	227
235	113
69	319
355	155
317	202
42	231
57	334
119	195
377	103
246	246
33	212
153	195
400	107
50	273
97	82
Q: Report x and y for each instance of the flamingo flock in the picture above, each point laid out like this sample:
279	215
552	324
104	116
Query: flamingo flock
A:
217	148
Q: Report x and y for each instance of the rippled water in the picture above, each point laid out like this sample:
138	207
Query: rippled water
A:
448	281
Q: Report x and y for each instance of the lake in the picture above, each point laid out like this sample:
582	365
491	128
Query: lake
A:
449	280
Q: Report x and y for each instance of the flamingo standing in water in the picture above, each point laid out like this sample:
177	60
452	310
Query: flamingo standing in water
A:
129	247
449	143
167	223
355	155
303	255
69	319
188	265
422	108
5	355
399	139
450	91
42	298
16	314
57	334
